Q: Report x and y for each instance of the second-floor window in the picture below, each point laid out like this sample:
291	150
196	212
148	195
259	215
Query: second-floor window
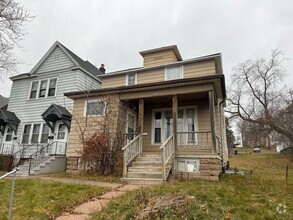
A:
95	108
43	88
131	79
174	73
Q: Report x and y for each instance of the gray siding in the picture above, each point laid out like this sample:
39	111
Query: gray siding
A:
57	60
30	110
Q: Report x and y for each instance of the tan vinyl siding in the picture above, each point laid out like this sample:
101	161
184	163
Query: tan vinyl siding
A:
159	58
199	69
91	124
151	76
114	81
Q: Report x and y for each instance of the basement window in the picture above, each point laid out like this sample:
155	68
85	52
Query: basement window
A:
187	165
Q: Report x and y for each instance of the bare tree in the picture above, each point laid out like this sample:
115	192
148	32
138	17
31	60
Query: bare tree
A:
258	94
12	18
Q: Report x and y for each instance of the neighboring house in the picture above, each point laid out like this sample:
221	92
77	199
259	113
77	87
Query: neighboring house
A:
174	107
3	102
39	115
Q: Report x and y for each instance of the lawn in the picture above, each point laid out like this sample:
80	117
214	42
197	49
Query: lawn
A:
262	193
39	199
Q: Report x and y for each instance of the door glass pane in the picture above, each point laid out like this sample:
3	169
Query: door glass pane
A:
35	134
61	132
190	124
130	126
158	125
8	134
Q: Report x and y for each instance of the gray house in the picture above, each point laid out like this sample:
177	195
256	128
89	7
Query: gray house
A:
36	124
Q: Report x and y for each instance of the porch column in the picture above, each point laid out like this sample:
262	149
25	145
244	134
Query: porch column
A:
175	117
212	119
140	121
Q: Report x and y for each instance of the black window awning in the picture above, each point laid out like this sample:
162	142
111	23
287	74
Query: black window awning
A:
57	112
8	118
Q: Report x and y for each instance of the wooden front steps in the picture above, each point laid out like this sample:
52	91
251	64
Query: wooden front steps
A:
145	169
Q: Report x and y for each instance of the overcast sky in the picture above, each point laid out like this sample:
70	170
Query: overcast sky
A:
113	32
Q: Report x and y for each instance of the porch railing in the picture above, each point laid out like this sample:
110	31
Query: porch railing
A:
131	150
167	151
195	139
6	149
55	148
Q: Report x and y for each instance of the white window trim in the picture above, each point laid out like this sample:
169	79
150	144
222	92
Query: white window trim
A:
181	76
135	78
39	86
184	121
93	100
31	132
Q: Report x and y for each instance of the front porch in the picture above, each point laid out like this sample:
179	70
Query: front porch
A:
176	134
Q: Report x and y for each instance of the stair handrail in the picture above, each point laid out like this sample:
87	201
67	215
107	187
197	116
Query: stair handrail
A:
167	151
21	152
130	151
43	149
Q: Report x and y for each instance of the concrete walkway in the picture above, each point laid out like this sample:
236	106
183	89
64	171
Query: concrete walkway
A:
85	210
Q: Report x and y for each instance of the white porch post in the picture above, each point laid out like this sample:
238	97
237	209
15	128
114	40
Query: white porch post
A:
212	119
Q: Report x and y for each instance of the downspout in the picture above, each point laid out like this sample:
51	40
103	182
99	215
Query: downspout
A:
221	131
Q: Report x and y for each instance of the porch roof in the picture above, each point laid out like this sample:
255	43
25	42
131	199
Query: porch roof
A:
7	117
158	85
56	112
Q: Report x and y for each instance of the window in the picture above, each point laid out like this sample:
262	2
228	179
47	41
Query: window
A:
186	126
188	165
52	87
34	90
131	79
43	88
96	107
45	134
35	133
61	132
8	134
26	134
173	73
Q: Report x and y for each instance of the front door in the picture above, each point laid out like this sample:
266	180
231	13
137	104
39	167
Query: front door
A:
60	139
6	146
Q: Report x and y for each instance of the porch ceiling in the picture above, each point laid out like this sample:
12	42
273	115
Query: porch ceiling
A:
188	97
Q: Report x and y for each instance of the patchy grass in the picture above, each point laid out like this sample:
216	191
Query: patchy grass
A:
39	199
253	196
87	176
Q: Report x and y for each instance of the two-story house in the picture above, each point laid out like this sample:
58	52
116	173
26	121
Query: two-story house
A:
172	111
37	122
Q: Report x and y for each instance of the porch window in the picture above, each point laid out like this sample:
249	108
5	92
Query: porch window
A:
131	79
35	133
173	73
8	134
26	134
52	87
186	122
34	90
43	88
61	132
45	134
95	108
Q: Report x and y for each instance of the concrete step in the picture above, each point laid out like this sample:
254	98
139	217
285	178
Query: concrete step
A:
151	159
152	175
147	164
145	169
143	181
